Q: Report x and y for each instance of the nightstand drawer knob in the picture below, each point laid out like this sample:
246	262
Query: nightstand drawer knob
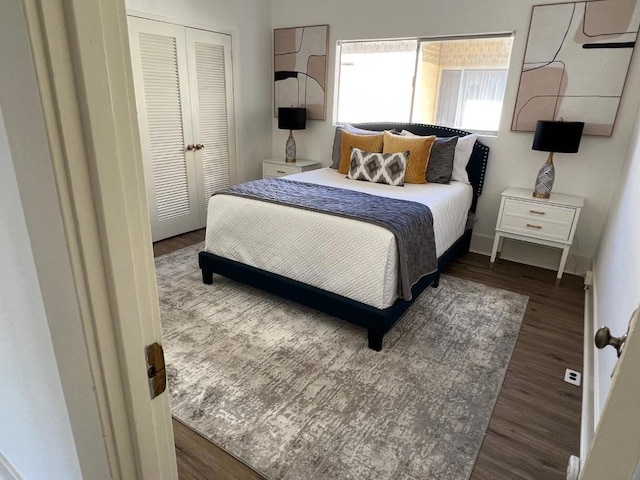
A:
281	171
533	226
537	212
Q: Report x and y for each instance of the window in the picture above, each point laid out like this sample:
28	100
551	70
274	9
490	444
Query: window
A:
457	82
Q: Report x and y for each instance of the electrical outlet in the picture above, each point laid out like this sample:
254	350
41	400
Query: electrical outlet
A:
572	377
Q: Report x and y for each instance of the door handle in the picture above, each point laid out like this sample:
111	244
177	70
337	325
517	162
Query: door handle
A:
603	338
195	146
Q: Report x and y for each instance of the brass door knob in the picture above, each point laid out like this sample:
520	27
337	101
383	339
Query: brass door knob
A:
199	146
191	147
604	338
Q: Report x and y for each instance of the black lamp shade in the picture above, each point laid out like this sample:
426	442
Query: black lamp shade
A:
290	118
561	137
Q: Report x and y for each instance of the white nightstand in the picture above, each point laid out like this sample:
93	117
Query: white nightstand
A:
280	168
545	221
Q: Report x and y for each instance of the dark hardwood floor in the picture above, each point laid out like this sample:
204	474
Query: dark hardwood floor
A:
536	421
176	243
535	425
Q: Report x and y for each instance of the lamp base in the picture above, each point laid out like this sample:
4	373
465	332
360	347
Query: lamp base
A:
545	179
290	149
541	195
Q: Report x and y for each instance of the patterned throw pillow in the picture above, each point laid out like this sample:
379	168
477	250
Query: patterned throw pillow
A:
389	168
368	143
420	149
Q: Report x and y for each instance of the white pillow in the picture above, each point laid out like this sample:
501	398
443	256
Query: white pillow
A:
407	133
462	156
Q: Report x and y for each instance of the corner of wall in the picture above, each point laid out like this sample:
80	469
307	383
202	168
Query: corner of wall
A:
7	472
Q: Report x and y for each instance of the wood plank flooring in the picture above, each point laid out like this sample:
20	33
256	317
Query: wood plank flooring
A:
199	459
535	425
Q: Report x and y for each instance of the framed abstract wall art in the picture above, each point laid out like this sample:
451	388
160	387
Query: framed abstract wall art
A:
300	69
576	64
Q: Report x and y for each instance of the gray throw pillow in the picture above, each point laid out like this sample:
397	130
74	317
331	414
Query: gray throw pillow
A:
337	141
440	166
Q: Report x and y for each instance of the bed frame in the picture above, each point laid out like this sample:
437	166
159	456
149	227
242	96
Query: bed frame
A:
376	321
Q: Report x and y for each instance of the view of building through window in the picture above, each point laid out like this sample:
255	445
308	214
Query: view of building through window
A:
453	82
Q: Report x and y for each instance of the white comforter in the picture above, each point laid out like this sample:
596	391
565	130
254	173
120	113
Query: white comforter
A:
344	256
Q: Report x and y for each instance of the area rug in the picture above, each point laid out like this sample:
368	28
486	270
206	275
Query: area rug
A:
296	394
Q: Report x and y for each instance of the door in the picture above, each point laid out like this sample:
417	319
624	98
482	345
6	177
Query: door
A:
184	100
209	60
159	60
615	451
93	164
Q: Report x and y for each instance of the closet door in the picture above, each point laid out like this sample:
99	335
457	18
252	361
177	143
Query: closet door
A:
210	78
160	68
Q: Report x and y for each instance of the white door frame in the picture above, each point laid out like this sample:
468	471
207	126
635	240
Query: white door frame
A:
83	68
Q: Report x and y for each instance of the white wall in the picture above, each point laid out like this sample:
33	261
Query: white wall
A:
249	23
36	434
49	422
617	263
590	173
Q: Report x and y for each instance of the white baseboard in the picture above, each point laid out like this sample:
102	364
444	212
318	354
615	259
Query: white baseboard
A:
532	254
588	420
7	472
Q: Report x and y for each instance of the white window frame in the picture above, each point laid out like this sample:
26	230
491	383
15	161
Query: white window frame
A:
419	41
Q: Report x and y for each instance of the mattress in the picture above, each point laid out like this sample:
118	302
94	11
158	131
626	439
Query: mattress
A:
350	258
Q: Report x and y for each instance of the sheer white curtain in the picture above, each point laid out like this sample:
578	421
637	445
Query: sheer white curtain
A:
471	99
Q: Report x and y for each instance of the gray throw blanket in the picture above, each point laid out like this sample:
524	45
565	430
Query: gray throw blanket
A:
410	222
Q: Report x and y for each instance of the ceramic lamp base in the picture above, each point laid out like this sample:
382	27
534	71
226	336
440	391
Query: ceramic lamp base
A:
545	178
290	149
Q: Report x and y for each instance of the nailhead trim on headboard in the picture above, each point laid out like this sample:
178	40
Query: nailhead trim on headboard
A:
479	157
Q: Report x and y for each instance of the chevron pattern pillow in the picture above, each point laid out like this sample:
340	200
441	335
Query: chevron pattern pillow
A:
389	168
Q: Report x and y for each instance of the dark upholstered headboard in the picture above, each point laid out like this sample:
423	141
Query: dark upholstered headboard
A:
479	157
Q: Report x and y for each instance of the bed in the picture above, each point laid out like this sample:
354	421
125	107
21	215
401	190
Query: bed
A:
344	267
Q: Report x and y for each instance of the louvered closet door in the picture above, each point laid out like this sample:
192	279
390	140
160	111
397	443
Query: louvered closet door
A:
160	67
210	76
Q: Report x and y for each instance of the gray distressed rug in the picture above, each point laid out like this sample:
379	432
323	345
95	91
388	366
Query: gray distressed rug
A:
296	394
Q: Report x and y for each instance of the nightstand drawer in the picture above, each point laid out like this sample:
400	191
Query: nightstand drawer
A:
535	227
270	170
539	212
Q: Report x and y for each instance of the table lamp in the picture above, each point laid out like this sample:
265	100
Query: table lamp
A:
291	118
554	137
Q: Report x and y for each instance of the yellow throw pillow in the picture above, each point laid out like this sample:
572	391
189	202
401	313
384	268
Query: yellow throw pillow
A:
368	143
419	150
